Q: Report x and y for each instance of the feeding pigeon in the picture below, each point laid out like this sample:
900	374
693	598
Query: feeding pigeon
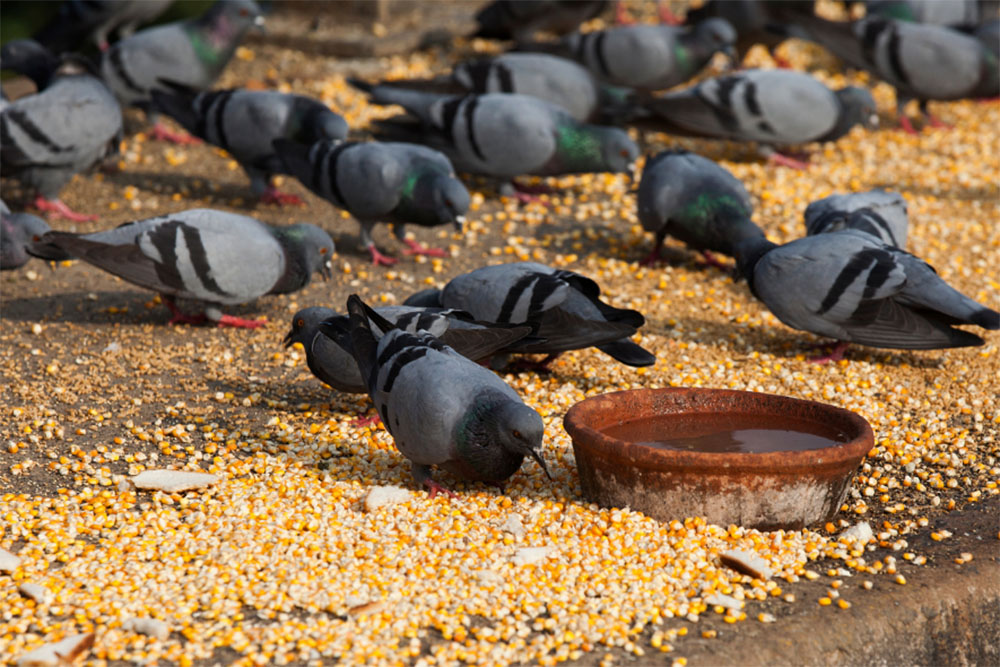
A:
880	213
753	20
645	57
246	122
951	13
922	62
71	124
16	231
214	257
504	135
560	81
850	286
520	19
381	182
331	361
691	198
771	107
192	53
77	20
566	306
440	408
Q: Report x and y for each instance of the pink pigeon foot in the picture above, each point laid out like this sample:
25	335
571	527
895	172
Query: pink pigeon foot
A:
58	209
274	196
835	354
436	488
904	122
162	133
414	248
781	62
362	422
938	123
712	260
621	16
667	17
240	323
180	317
787	161
652	258
378	259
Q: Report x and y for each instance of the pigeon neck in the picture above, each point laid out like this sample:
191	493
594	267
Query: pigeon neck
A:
576	150
749	250
479	441
298	271
215	36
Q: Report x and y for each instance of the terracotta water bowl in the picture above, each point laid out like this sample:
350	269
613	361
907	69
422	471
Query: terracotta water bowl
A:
765	490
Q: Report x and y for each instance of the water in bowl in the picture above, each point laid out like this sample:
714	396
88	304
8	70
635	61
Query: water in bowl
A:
727	432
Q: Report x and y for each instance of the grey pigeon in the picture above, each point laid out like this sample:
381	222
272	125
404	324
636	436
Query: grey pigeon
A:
214	257
922	62
504	135
375	182
560	81
566	306
693	199
753	20
70	125
878	212
331	360
646	57
77	20
850	286
246	122
935	12
192	53
440	408
16	232
771	107
520	19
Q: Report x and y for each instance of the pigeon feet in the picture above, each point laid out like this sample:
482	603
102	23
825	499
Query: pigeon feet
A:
712	260
414	248
180	317
938	123
161	132
787	161
904	122
836	353
378	259
435	488
652	258
274	196
58	209
240	323
362	422
667	17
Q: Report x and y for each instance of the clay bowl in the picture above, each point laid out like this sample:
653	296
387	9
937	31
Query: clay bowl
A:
767	490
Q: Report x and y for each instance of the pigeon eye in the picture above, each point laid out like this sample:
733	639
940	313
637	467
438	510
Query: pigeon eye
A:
517	434
323	251
623	152
300	323
244	12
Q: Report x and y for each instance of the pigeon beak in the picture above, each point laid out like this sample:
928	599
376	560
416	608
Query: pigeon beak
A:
326	270
538	457
259	23
873	121
633	172
287	342
459	222
734	59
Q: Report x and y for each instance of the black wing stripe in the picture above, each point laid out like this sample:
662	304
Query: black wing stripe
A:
847	275
470	127
118	65
199	259
400	361
513	296
35	133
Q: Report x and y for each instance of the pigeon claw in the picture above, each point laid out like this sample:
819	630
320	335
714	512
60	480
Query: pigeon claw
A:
712	260
362	422
240	323
653	258
414	248
435	488
904	122
274	196
836	353
787	161
161	132
56	208
378	259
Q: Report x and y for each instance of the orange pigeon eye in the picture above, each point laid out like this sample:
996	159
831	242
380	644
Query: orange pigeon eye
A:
300	323
517	434
323	251
624	153
244	12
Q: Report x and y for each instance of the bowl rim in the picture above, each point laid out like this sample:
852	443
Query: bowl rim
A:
592	443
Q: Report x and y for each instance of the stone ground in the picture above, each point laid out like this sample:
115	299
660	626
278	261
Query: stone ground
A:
95	388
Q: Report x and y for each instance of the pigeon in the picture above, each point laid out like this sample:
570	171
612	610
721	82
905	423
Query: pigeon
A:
922	62
16	231
878	212
518	20
375	182
951	13
70	125
695	200
331	360
440	408
192	53
77	20
771	107
852	287
565	305
503	135
560	81
645	57
214	257
246	122
753	21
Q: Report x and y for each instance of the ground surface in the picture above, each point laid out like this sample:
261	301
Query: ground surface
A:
276	562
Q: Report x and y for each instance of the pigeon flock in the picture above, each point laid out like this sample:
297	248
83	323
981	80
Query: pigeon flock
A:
544	108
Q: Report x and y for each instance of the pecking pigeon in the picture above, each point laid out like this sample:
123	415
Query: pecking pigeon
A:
771	107
753	20
330	359
210	256
504	135
16	231
520	19
192	53
440	408
77	20
689	197
381	182
922	62
70	125
645	57
880	213
565	305
935	12
246	122
850	286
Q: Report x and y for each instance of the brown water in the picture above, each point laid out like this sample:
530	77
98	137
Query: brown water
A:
728	432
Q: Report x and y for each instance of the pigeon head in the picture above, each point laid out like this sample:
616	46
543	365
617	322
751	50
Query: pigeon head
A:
858	107
312	121
434	197
497	434
330	125
428	298
595	148
17	230
305	325
223	26
718	35
28	57
309	248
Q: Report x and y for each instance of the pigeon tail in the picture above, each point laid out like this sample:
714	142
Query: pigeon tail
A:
987	319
